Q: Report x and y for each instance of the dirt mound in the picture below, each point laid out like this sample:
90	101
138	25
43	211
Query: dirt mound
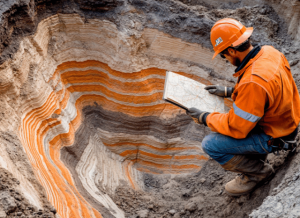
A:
201	194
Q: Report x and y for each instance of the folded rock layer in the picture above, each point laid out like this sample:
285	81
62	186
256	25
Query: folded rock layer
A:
88	128
121	114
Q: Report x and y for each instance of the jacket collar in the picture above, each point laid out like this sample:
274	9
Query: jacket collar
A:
241	71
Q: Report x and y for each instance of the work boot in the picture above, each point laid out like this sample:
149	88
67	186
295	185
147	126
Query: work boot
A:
254	172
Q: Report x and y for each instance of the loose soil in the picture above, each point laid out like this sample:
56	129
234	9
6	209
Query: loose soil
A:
198	195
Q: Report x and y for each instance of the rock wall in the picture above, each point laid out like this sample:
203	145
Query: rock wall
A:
81	88
68	85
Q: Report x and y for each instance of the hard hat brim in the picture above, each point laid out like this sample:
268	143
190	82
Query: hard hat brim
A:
242	39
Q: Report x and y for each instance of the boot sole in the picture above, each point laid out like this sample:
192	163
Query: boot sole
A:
239	194
262	182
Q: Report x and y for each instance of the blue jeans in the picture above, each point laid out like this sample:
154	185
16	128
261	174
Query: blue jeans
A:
222	148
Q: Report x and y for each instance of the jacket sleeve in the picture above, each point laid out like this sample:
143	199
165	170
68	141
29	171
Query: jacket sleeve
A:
248	109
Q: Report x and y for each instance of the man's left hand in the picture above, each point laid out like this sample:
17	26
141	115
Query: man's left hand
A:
221	91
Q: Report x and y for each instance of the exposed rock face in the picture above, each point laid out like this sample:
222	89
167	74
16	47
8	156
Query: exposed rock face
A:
81	87
126	122
99	5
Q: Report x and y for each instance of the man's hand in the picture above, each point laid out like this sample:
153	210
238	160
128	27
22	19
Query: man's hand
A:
221	91
196	114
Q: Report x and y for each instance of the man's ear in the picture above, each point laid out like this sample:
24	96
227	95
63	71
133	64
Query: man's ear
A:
231	51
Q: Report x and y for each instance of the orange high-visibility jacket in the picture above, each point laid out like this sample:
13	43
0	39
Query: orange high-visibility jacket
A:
265	95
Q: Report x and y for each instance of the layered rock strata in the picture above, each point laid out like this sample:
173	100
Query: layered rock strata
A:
120	118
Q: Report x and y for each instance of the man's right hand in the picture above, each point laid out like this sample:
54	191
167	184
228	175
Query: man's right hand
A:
221	91
197	115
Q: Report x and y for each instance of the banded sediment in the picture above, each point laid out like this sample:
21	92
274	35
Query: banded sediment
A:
84	118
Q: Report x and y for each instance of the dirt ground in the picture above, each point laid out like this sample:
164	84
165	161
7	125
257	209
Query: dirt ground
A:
198	195
12	202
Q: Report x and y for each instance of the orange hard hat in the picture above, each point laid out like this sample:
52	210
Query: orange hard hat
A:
228	32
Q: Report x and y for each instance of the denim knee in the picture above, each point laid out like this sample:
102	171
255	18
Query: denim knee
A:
207	143
211	146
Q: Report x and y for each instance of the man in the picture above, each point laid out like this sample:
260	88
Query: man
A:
265	112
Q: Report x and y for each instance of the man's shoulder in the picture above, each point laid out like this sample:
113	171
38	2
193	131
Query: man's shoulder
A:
266	66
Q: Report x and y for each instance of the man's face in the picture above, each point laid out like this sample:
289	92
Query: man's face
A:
231	56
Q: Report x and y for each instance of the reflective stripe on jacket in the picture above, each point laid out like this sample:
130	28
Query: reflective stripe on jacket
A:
265	95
